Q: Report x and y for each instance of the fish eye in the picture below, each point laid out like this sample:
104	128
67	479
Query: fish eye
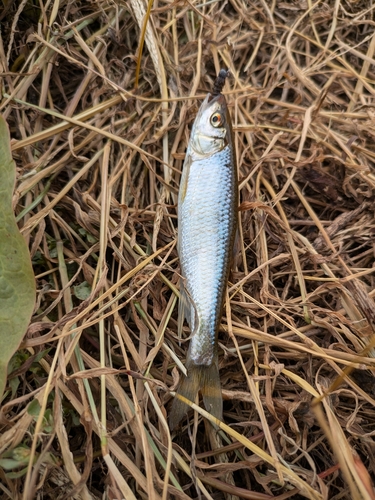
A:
217	120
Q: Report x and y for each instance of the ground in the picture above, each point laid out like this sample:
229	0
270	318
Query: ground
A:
99	129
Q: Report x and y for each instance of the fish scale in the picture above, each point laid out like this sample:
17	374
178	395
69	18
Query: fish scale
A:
207	220
206	225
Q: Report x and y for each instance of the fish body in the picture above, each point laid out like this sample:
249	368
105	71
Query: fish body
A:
207	222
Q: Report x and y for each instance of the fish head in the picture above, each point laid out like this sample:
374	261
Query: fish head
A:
212	127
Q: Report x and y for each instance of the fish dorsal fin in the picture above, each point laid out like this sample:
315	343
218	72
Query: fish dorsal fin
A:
236	252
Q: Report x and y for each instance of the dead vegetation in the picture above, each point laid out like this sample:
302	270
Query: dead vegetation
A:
99	160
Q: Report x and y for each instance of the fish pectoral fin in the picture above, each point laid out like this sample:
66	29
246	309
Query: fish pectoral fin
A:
199	377
185	178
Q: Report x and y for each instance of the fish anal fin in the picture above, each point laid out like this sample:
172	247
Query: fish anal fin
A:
184	309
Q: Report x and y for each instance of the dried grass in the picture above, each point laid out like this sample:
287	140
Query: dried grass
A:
98	172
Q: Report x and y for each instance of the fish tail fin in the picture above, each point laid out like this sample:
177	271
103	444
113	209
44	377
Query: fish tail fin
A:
200	377
211	390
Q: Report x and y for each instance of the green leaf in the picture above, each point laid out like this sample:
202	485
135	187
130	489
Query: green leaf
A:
17	284
9	464
14	384
16	475
82	291
34	408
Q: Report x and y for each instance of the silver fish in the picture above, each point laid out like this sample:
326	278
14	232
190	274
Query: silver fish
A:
207	223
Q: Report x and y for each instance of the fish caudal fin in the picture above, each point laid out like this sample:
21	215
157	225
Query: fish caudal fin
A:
200	377
211	391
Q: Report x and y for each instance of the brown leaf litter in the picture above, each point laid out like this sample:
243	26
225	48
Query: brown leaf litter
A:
99	160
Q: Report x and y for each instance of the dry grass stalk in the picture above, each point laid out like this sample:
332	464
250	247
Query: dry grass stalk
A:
98	172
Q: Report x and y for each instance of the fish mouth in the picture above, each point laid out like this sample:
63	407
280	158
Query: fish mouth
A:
210	102
219	98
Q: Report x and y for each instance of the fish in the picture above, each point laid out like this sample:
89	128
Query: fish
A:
207	225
